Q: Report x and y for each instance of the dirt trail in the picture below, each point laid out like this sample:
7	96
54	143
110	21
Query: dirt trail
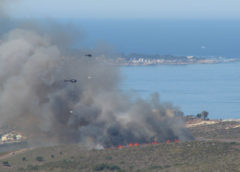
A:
8	155
218	140
200	123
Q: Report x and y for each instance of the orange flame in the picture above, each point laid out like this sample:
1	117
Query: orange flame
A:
168	141
130	145
176	141
120	146
136	144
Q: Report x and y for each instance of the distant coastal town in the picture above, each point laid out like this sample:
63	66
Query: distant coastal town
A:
144	60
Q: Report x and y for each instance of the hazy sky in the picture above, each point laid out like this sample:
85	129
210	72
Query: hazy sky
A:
163	9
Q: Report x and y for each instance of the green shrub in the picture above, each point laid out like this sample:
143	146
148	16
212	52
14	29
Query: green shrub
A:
6	163
156	167
31	167
108	158
167	166
100	167
24	158
120	170
103	166
39	158
114	167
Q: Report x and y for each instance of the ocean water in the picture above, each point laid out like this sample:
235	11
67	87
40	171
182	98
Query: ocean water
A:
174	37
193	88
211	87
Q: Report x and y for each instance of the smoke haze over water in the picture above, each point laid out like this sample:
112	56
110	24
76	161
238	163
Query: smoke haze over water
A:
35	99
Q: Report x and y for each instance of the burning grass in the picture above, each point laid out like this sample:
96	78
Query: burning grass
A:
138	144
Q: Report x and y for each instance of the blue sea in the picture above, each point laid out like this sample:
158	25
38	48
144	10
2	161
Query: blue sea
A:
171	37
211	87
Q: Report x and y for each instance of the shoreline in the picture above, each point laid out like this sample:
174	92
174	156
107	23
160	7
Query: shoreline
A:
154	62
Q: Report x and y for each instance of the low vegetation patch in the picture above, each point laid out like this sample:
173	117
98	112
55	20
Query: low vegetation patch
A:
103	166
6	164
156	167
39	158
184	156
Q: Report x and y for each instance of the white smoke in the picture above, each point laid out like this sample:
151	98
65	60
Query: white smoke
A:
35	99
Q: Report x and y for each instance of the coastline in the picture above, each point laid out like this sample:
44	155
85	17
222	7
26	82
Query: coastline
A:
185	60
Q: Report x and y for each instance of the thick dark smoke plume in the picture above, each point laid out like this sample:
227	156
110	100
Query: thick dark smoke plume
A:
35	99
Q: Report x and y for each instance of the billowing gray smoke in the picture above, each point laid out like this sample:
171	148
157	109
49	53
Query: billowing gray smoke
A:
35	99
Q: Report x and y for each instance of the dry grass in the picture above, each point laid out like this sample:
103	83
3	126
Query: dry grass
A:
188	156
222	154
228	130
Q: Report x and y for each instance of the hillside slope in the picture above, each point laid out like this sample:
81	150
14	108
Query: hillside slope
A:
182	157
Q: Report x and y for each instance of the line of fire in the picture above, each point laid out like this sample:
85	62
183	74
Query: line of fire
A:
138	144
